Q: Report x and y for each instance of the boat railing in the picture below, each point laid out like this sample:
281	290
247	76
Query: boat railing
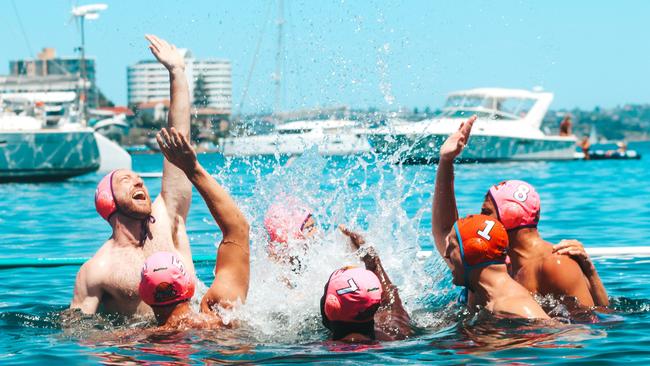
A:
481	112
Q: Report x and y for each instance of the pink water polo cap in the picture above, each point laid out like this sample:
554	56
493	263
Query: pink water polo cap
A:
165	280
284	220
517	204
104	197
352	295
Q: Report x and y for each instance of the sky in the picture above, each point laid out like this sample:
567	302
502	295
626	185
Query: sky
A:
383	54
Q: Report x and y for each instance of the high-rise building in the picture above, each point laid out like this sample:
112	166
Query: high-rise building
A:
148	81
54	70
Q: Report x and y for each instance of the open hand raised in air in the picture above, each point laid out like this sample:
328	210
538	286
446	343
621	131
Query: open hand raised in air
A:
177	149
165	53
455	143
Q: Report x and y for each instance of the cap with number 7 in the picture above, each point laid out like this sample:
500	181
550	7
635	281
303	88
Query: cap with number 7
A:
351	295
517	204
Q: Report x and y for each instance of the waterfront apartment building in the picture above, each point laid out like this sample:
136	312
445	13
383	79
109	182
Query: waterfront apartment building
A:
38	84
47	72
148	81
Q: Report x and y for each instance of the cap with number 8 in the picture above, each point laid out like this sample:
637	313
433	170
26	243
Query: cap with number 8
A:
517	204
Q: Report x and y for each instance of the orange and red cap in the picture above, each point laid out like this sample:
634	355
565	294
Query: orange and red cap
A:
482	240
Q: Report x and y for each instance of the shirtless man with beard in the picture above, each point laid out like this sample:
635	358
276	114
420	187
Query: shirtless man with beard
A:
108	282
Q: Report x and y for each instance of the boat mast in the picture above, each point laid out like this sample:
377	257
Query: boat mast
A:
82	94
277	107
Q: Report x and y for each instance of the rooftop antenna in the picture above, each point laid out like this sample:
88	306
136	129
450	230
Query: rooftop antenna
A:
81	13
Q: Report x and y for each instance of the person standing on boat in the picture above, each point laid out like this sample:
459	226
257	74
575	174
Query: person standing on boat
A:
362	305
563	270
166	284
109	280
585	145
565	126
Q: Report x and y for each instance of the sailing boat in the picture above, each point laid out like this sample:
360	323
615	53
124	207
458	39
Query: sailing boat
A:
331	136
593	135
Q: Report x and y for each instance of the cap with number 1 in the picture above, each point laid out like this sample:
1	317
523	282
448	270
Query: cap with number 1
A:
483	240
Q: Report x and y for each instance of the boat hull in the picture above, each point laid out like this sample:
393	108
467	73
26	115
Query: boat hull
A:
424	149
40	156
294	145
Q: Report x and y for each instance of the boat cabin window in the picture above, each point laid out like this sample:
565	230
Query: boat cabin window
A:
518	107
460	106
470	101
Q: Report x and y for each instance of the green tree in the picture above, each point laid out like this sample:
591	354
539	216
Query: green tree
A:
200	92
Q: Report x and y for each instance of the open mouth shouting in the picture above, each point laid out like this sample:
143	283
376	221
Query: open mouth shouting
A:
139	195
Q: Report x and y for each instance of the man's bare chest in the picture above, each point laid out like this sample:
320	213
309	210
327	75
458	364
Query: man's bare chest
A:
123	278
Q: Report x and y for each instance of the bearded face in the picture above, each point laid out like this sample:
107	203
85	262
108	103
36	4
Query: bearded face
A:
131	195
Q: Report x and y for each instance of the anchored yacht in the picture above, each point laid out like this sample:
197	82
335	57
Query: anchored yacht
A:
332	137
42	139
507	128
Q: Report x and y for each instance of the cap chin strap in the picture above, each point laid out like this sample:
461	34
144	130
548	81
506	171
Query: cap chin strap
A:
467	268
173	303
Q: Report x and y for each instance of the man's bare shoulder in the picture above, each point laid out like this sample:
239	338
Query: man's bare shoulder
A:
560	271
518	304
96	268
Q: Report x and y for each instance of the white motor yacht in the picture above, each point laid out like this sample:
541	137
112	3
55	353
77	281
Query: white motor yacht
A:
507	128
332	137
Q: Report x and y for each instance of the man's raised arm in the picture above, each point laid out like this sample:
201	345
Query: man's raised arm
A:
445	212
176	190
232	270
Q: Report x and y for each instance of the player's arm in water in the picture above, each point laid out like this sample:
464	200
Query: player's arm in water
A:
445	213
576	250
391	319
232	269
176	189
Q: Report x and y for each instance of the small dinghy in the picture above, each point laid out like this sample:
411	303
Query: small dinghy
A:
614	155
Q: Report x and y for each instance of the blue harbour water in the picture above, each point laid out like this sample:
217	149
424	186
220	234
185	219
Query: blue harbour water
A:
601	203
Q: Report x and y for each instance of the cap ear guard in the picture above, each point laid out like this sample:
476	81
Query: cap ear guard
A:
474	251
510	215
105	203
331	304
324	319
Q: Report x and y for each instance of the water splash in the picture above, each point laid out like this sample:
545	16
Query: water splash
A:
283	306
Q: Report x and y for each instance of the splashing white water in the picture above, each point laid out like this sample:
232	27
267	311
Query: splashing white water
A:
283	306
